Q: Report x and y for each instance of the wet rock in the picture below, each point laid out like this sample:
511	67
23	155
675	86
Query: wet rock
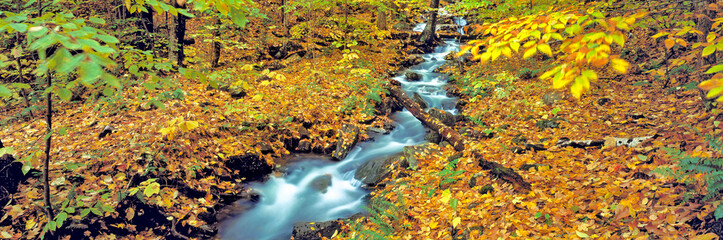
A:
387	105
347	137
304	133
249	166
536	166
411	60
413	76
11	176
315	230
265	148
374	171
433	137
377	130
486	189
443	116
304	146
548	123
603	101
321	183
419	100
410	153
551	98
460	104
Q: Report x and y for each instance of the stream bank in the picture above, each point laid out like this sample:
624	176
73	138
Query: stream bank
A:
315	190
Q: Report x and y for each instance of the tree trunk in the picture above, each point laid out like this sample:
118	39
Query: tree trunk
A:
177	31
144	23
216	44
382	19
46	163
427	37
458	141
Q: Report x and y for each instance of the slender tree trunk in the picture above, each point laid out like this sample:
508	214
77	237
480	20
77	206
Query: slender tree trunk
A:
427	37
382	19
216	55
177	32
46	163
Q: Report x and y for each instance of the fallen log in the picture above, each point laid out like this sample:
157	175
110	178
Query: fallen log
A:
456	140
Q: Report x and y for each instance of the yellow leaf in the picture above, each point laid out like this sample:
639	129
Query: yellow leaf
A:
265	82
463	50
168	132
530	52
257	97
544	48
669	43
707	85
433	225
620	65
29	224
515	46
714	92
660	34
711	36
188	125
456	221
506	51
707	236
446	195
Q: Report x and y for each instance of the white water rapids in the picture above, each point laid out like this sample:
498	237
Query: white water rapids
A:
291	198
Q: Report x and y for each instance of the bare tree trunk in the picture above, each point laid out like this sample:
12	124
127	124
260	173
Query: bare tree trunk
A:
382	19
427	37
46	163
216	45
177	32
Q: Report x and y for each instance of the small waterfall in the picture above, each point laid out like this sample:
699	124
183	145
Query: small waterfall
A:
293	197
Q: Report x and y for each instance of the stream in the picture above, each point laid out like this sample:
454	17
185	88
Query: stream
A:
293	198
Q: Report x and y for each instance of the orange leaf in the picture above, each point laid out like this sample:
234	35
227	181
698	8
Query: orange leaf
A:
669	43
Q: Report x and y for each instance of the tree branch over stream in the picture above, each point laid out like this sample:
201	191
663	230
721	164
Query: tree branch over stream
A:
456	140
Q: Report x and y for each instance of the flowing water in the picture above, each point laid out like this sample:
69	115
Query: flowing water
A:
293	198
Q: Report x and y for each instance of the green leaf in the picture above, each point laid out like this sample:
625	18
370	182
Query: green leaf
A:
52	225
97	20
69	209
64	94
708	50
20	27
151	189
715	69
108	39
84	212
538	214
718	212
90	72
112	80
581	234
21	85
5	92
642	157
63	131
61	218
26	167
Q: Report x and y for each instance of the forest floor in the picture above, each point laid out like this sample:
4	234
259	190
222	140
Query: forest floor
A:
175	157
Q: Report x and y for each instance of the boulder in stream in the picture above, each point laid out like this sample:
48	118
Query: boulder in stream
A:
321	183
410	153
443	116
419	100
347	137
374	171
248	166
315	230
413	76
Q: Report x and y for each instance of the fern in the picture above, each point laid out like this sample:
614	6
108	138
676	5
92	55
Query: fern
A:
689	165
384	214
